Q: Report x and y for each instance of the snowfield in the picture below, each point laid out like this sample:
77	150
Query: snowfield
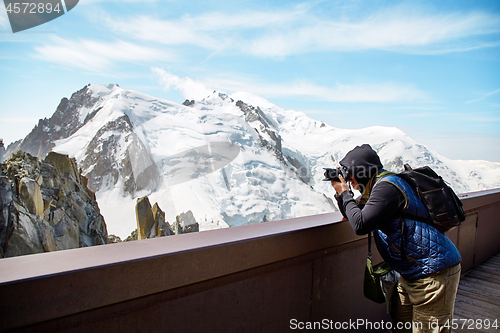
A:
233	167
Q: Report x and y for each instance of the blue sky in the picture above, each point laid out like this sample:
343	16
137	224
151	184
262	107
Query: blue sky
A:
430	68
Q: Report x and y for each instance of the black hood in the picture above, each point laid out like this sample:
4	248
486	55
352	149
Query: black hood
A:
363	163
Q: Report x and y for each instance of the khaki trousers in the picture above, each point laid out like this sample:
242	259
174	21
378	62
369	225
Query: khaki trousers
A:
426	304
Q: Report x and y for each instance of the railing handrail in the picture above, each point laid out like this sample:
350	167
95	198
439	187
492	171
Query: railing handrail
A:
58	262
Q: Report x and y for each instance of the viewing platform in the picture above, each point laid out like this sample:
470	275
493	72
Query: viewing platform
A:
477	307
267	277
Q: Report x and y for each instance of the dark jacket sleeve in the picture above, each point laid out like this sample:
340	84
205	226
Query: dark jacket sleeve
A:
340	203
384	203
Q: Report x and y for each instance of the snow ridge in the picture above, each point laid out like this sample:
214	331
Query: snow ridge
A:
231	160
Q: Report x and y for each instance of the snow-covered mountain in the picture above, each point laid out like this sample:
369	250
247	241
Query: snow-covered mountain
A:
231	160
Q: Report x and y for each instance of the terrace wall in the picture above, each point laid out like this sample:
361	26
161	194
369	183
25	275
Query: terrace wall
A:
266	277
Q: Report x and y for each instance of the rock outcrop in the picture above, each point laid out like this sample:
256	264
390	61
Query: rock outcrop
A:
46	206
161	226
145	219
2	150
185	223
151	222
115	153
269	138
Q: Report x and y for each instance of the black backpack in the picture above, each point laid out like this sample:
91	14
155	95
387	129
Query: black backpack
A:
443	205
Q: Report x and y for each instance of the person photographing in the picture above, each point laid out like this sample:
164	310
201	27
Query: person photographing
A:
426	259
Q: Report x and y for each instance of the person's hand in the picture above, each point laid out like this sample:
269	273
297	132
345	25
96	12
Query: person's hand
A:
340	186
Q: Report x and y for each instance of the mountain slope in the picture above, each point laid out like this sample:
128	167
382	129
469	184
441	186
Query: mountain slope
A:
231	160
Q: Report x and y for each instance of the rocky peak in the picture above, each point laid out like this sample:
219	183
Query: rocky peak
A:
185	223
64	122
253	114
151	221
114	154
188	102
46	206
2	150
270	139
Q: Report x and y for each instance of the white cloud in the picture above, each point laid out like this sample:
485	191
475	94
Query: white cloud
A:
279	33
96	55
214	31
4	20
190	89
299	30
146	28
350	93
491	93
397	30
383	92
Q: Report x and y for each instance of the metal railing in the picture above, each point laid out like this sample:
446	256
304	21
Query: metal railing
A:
268	277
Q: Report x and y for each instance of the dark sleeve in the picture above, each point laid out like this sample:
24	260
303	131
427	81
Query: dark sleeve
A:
385	201
340	203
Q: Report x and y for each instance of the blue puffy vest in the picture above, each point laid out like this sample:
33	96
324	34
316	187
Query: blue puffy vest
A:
427	250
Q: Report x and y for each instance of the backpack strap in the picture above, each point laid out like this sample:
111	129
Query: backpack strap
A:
370	244
403	254
366	195
401	215
371	183
384	173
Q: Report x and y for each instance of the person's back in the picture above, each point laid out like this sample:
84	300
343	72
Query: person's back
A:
426	250
429	263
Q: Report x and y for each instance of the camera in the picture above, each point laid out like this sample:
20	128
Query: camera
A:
333	174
